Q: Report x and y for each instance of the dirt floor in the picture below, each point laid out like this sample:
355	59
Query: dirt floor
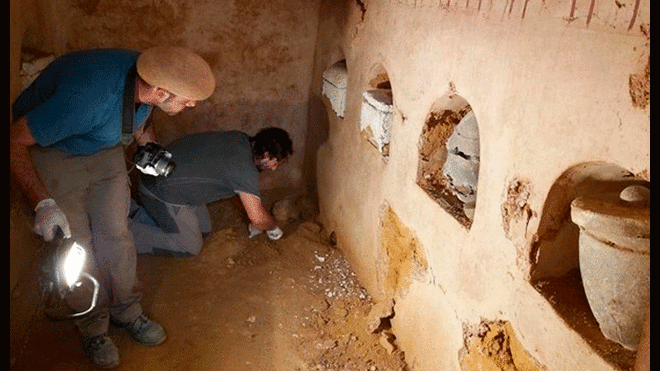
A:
242	305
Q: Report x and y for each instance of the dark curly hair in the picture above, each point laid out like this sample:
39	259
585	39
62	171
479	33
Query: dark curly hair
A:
274	142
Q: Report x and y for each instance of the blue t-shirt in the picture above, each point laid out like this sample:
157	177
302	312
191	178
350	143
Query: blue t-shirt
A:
75	105
210	166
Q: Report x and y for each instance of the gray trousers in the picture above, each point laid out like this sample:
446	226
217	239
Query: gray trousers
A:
94	194
160	227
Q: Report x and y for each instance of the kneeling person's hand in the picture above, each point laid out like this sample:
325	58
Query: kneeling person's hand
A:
275	233
253	231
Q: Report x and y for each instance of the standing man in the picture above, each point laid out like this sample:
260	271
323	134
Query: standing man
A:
210	166
67	156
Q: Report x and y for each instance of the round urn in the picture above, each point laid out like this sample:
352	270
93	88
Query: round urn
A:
615	257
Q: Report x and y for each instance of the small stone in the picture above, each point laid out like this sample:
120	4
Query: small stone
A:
636	193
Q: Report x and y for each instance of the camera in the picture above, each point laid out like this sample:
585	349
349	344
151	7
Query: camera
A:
153	159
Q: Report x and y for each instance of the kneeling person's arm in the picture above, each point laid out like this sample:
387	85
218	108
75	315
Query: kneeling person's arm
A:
259	217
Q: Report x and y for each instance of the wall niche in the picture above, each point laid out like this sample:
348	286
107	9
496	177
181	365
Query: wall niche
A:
376	113
448	166
335	82
563	265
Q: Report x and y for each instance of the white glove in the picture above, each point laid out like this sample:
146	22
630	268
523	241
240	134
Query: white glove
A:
149	170
254	231
49	216
275	233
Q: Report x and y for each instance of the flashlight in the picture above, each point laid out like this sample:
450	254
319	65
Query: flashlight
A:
73	264
63	276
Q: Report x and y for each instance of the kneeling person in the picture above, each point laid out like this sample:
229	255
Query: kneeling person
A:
171	217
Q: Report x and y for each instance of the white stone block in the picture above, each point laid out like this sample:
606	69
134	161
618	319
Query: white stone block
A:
462	172
376	117
335	81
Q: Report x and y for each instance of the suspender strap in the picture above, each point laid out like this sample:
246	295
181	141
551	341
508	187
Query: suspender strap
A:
128	108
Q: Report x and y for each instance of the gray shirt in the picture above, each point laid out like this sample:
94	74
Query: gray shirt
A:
210	166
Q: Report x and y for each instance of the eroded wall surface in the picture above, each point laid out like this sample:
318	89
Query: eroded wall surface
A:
552	85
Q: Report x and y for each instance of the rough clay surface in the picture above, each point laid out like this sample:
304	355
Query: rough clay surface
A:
493	346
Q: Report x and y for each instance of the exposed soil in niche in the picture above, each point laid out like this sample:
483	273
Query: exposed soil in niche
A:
432	156
380	81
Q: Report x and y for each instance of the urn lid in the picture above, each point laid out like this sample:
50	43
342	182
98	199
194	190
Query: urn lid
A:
622	219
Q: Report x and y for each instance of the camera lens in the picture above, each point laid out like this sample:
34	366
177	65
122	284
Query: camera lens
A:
164	167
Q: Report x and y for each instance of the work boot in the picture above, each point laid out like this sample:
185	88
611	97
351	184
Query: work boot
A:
102	351
145	331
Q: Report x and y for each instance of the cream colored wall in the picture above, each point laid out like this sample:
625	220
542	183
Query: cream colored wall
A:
548	94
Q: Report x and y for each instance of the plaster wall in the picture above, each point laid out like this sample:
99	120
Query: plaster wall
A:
549	86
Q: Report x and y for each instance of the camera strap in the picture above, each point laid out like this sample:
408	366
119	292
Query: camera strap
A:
128	107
